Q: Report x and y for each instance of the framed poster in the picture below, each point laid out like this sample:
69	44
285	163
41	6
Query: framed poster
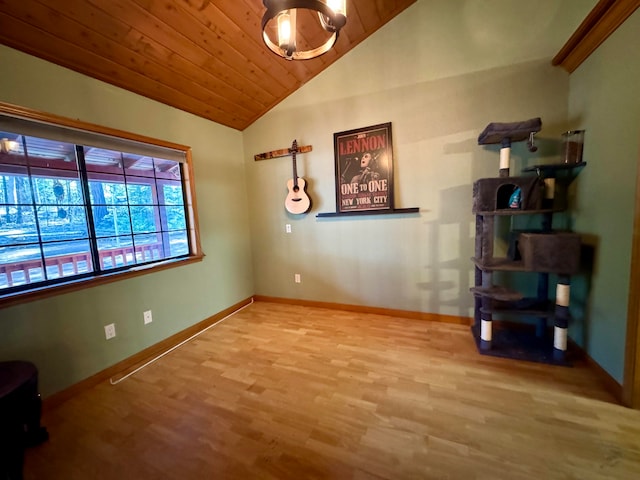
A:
364	169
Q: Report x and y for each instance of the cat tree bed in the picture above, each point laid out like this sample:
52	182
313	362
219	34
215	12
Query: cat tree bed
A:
557	252
512	132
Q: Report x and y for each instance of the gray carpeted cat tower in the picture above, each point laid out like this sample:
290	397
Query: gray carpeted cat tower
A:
540	191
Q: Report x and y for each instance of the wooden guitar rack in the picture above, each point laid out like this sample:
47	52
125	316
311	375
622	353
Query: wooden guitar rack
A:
283	152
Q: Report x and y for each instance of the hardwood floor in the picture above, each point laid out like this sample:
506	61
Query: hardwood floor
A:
289	392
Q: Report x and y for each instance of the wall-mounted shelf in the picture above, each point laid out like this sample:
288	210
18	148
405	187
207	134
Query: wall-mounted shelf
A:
395	211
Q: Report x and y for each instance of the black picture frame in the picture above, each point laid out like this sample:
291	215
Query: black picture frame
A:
364	169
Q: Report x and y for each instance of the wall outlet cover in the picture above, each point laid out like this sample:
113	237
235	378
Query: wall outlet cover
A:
110	331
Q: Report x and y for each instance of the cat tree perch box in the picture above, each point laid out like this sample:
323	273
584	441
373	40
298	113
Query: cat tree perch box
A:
554	252
492	194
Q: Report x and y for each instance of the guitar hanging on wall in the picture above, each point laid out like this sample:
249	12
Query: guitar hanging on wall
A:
297	200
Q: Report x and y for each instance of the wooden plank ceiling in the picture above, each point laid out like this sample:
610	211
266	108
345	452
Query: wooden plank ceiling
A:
204	57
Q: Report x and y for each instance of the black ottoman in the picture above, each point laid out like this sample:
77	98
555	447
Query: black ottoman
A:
20	408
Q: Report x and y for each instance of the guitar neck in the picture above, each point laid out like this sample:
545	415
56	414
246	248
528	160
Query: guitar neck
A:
294	150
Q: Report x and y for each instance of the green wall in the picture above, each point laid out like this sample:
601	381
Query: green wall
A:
439	72
64	335
604	100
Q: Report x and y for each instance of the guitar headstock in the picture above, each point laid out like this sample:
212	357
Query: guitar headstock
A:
294	147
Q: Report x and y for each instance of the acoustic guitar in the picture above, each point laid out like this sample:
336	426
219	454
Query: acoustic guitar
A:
297	200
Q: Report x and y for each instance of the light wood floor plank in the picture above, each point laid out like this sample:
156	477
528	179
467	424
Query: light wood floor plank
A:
289	392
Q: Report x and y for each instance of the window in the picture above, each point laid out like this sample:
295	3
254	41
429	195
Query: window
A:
77	204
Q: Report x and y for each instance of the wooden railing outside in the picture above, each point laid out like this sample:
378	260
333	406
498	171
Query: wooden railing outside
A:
21	272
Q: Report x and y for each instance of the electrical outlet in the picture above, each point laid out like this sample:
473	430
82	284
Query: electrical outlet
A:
110	331
296	278
147	317
287	228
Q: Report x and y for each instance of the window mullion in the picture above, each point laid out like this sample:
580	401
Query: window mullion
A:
157	199
126	193
84	178
35	208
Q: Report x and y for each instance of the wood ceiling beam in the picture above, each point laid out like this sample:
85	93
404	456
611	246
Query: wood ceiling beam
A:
601	22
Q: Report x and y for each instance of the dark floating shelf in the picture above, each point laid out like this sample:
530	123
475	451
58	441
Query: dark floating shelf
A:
358	213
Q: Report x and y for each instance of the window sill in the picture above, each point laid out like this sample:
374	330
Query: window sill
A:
76	285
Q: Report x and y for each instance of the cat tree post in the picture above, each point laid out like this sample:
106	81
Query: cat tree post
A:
562	317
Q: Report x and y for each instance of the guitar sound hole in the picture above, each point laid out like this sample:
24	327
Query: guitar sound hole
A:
296	188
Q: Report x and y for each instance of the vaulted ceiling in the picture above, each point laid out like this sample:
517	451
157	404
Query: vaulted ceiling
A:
204	57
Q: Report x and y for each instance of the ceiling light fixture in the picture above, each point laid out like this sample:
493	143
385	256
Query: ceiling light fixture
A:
282	17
